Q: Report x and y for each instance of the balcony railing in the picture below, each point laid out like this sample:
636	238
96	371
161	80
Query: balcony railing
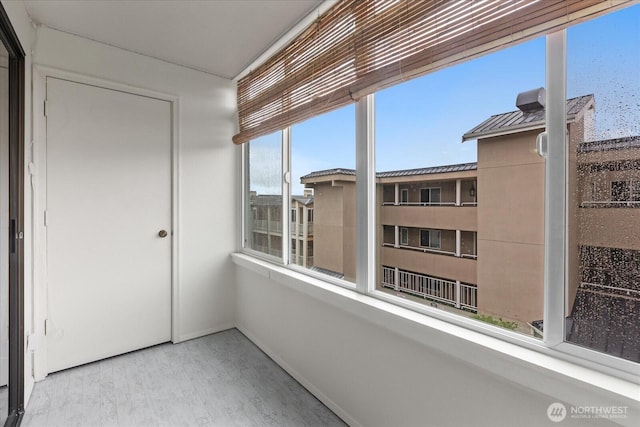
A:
298	229
632	294
429	204
429	250
449	292
264	225
610	204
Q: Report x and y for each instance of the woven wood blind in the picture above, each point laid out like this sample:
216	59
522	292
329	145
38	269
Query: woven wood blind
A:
360	46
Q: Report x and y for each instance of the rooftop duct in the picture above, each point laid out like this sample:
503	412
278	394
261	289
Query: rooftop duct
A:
531	100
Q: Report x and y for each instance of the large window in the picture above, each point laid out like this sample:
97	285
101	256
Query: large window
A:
492	243
462	220
263	195
323	186
603	257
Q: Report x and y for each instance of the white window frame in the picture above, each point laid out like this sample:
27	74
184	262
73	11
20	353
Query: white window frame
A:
403	192
553	343
403	231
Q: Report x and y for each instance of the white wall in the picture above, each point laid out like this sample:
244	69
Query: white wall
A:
372	376
22	25
207	160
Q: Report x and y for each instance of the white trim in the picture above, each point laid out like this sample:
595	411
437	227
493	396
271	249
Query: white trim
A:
365	194
429	230
404	191
507	354
204	332
555	194
287	37
403	242
39	168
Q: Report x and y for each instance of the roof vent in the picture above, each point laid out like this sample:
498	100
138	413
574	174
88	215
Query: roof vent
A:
531	100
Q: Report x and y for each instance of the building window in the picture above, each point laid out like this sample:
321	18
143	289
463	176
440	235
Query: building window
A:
625	191
404	196
310	215
293	215
430	239
404	236
430	196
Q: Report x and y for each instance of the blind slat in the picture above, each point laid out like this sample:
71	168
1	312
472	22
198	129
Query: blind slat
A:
360	46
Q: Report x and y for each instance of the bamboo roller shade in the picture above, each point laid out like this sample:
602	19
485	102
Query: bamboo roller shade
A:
360	46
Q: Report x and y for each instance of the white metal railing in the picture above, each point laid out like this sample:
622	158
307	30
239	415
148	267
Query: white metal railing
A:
611	290
419	204
472	256
420	249
265	225
449	292
610	204
469	204
298	229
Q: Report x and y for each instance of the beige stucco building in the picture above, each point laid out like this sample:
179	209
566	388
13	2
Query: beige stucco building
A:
471	236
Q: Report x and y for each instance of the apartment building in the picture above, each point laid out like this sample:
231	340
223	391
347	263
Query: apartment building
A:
471	236
265	226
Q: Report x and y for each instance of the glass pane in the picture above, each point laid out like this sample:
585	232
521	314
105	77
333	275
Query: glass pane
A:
323	185
603	289
263	231
475	255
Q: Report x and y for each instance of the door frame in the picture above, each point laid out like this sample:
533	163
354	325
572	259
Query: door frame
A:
10	40
40	75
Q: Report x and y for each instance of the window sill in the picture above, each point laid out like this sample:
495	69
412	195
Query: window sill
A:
536	367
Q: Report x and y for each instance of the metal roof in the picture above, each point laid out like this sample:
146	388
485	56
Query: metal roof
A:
404	172
610	144
305	200
518	121
336	171
430	170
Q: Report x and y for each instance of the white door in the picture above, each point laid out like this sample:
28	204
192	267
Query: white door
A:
108	191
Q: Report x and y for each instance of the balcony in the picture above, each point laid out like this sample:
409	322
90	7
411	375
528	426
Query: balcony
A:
298	229
262	225
625	233
443	216
456	294
430	261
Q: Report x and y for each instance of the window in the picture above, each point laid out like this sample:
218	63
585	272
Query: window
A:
603	276
430	196
419	148
404	196
293	215
323	160
625	191
263	229
404	236
490	257
430	239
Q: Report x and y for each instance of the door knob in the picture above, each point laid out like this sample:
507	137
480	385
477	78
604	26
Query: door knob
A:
162	233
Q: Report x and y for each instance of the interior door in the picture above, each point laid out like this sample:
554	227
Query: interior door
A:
108	191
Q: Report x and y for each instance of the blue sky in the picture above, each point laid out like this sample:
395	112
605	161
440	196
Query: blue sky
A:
420	123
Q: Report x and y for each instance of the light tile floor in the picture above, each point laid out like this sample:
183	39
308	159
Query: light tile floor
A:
218	380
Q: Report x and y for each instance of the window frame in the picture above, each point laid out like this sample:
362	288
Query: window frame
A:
553	343
430	232
429	192
403	192
403	241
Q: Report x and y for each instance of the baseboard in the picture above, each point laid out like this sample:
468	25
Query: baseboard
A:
198	334
301	379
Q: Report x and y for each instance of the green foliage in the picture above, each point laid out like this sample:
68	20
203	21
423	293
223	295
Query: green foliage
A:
498	322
